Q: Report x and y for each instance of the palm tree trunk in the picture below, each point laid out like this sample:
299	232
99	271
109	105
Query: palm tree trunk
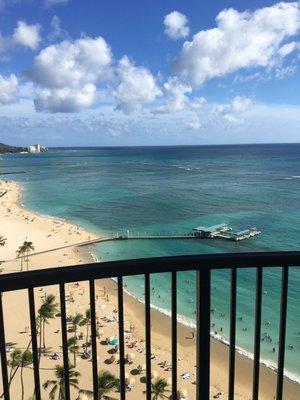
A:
40	340
74	358
22	384
44	341
27	260
12	377
87	334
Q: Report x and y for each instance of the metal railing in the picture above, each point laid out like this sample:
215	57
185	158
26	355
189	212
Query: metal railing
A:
203	265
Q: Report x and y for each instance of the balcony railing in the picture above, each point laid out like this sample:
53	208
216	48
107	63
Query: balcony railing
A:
203	265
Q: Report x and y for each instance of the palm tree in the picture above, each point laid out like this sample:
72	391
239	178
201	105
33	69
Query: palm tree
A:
159	389
2	240
27	248
73	347
47	311
87	321
17	360
77	320
14	363
106	383
58	384
26	359
21	254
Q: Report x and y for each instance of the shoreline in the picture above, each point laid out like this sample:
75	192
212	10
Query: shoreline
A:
160	324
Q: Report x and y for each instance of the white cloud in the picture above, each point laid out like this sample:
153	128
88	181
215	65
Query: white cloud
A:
57	31
176	95
283	72
233	112
24	35
176	25
27	35
8	89
287	49
240	40
241	104
194	124
137	87
65	99
68	71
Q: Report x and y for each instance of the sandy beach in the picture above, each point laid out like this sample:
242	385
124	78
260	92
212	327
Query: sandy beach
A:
18	224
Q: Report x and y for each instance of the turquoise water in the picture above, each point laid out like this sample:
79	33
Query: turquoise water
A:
176	189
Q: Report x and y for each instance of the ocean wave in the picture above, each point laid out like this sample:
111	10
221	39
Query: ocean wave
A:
191	324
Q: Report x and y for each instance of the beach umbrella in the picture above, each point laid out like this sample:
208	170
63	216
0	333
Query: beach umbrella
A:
131	356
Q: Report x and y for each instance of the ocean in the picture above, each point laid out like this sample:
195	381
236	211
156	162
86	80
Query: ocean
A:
174	189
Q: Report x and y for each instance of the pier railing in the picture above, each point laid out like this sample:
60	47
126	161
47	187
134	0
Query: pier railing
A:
203	265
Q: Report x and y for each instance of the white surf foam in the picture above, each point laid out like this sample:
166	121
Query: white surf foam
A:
191	324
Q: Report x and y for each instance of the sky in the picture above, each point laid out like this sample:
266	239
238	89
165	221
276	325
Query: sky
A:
91	73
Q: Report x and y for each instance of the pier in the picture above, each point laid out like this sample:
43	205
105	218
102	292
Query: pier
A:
221	231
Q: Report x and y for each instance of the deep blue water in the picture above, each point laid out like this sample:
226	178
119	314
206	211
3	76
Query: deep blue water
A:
176	189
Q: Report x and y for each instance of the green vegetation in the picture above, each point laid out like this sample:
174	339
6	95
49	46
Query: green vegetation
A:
73	348
107	382
2	241
23	253
159	389
47	311
5	148
58	385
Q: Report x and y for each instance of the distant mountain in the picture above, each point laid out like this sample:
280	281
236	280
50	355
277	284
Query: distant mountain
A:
5	148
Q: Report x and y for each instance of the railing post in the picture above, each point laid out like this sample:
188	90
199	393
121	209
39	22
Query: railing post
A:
257	333
282	332
174	334
64	339
94	338
3	353
121	337
148	336
37	388
232	335
203	333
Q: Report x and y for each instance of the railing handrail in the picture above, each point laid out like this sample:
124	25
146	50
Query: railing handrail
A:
83	272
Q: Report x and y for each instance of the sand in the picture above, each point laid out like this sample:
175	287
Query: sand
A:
18	224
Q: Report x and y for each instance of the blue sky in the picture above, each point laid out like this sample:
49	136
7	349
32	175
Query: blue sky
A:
76	72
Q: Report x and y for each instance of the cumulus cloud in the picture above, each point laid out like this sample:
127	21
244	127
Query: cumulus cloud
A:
233	111
137	87
176	95
65	100
67	73
176	25
8	89
27	35
24	35
240	40
177	98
